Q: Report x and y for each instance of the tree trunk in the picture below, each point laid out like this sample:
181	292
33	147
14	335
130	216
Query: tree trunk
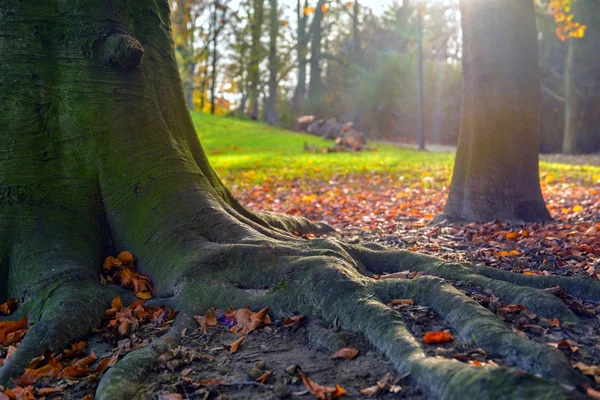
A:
255	56
571	130
496	172
213	77
356	50
271	103
314	86
301	52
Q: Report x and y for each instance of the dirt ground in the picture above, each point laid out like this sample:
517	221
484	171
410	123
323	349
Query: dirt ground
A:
203	357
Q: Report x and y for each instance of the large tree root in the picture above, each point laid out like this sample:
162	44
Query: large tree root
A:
334	281
331	280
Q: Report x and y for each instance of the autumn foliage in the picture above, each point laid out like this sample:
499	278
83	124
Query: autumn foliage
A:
121	270
60	370
566	26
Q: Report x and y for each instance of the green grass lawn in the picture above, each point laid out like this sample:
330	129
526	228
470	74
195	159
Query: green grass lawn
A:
255	151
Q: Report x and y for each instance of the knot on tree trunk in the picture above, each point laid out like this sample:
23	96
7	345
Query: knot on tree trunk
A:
122	51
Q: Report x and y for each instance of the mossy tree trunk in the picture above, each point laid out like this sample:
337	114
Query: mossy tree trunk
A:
496	172
98	154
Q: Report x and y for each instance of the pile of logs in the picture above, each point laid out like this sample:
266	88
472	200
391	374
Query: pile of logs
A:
346	138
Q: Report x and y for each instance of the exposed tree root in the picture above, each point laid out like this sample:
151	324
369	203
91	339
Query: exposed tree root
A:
67	311
124	379
331	280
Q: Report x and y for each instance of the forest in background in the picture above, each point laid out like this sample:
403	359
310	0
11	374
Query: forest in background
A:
333	58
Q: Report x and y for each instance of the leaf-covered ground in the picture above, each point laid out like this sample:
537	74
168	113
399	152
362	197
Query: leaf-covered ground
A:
390	196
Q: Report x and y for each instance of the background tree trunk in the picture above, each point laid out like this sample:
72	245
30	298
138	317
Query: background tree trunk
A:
255	55
271	103
213	77
496	170
301	52
314	86
570	135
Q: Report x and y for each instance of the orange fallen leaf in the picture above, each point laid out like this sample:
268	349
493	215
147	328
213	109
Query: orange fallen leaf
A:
437	337
20	393
12	331
594	394
79	368
247	321
370	391
512	235
585	369
322	392
347	353
50	391
40	367
9	307
126	258
294	320
235	346
397	302
76	350
107	362
145	294
121	270
210	319
264	378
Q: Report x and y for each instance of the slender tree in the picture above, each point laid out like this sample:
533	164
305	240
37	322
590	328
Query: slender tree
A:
255	55
316	37
496	173
214	54
301	53
271	103
99	154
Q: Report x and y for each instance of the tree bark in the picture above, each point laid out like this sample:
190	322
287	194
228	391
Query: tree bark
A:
271	103
255	55
314	86
571	131
213	77
301	52
496	172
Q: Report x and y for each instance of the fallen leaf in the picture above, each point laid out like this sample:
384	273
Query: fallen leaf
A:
234	347
12	331
247	321
437	337
322	392
347	353
594	394
107	362
370	391
395	275
512	235
50	391
9	307
397	302
79	368
265	377
585	369
76	350
294	320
